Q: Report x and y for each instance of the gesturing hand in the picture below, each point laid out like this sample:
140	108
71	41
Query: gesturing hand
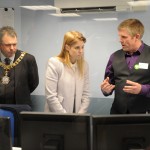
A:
132	87
106	87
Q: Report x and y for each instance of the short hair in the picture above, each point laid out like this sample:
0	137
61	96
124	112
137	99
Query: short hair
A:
134	26
7	30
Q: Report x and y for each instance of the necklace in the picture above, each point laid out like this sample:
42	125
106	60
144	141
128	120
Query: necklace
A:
5	79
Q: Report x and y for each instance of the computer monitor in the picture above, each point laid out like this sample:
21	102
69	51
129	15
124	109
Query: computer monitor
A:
121	132
5	134
52	131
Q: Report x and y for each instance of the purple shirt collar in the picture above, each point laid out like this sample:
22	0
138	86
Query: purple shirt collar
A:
141	48
138	52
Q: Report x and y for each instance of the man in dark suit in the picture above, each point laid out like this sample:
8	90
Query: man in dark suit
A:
128	71
18	70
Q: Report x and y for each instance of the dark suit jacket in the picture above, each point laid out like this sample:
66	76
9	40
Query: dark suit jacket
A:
26	78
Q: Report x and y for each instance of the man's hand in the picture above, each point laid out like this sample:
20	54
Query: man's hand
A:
106	87
132	87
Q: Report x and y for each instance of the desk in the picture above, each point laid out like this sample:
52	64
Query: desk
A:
16	148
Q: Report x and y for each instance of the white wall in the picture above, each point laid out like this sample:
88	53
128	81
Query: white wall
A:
17	16
42	35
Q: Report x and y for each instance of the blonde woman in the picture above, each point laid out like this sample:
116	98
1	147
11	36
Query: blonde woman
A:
67	77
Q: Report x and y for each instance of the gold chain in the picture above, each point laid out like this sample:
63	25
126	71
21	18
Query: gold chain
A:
8	67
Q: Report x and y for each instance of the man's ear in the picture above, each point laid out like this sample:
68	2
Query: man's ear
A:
138	36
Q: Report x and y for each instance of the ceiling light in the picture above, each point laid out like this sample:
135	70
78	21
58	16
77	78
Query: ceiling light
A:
105	19
65	15
40	7
139	3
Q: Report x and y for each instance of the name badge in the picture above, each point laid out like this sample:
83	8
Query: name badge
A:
143	65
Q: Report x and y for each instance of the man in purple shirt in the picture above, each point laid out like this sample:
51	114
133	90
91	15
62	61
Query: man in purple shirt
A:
128	71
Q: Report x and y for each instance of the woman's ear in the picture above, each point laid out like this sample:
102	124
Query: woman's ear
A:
67	47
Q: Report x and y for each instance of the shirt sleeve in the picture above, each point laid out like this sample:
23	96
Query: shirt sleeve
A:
86	94
51	83
145	90
109	72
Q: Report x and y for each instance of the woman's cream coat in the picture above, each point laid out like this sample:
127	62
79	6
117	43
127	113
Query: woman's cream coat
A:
63	86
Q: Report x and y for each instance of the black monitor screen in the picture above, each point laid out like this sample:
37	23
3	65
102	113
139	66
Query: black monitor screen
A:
121	132
50	131
5	134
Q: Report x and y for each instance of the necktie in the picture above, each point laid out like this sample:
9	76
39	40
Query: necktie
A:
7	61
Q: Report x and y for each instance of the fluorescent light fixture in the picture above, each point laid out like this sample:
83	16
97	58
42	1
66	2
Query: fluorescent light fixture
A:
65	15
105	19
139	3
40	7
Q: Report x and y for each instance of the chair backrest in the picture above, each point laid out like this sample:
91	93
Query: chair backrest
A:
7	113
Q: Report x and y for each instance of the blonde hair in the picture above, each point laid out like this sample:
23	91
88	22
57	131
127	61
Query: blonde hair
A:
134	26
70	38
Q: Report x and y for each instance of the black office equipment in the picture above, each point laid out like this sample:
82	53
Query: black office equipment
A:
52	131
13	111
121	132
5	134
